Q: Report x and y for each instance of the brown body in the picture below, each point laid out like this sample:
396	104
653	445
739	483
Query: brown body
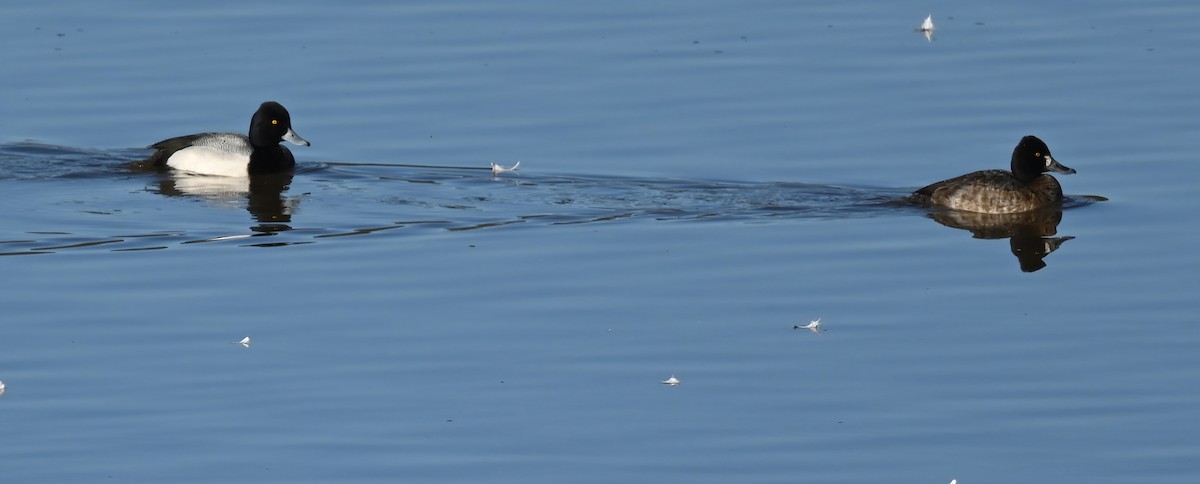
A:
1026	188
991	191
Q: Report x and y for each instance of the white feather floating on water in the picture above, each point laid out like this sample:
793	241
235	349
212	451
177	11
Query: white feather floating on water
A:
814	326
1	388
927	25
671	381
498	169
245	342
926	28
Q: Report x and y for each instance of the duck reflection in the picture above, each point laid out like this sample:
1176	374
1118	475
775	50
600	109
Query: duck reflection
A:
263	195
1030	234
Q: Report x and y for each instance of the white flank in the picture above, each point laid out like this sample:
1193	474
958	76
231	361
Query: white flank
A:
205	160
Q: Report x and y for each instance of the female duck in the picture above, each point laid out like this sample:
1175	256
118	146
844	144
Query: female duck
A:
232	154
1023	189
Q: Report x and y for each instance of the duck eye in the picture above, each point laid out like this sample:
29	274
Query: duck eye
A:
274	121
1038	154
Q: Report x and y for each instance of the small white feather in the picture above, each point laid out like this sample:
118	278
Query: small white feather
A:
498	169
814	326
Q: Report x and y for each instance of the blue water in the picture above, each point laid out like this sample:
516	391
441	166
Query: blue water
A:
697	178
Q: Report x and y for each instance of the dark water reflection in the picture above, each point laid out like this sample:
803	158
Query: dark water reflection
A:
1031	235
264	195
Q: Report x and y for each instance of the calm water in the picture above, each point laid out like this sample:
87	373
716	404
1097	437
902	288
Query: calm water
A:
697	178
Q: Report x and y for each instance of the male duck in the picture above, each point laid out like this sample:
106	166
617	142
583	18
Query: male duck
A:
232	154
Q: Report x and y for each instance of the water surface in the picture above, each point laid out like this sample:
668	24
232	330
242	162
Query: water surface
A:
697	179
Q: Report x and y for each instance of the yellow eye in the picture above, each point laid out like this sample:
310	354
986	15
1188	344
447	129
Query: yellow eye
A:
274	121
1035	154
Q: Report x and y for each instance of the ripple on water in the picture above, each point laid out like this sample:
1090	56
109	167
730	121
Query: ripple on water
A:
91	201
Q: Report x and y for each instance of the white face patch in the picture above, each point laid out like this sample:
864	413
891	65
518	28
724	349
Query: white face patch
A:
1049	161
